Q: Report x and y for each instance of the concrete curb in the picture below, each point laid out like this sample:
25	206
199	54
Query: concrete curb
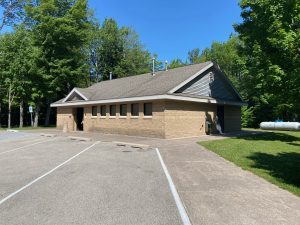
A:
47	135
11	130
79	138
133	145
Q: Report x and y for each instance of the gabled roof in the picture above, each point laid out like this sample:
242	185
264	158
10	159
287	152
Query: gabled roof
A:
137	87
76	93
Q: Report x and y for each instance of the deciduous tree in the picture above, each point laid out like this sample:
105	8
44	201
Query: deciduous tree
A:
270	33
59	30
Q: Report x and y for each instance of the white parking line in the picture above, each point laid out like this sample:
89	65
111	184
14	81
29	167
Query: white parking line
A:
46	174
183	214
26	146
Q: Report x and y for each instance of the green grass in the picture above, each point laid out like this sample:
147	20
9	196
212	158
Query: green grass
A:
274	156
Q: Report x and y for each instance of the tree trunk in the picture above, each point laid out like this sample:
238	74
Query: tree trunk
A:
0	115
9	115
11	97
9	108
36	116
47	115
21	113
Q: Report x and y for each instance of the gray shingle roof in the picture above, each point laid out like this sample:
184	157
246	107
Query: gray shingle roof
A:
140	85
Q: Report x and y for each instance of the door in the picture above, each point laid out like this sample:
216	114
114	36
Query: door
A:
220	121
79	118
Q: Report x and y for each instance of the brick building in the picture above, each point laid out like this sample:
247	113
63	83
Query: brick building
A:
167	104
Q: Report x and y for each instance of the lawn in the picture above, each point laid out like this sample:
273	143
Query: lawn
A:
275	156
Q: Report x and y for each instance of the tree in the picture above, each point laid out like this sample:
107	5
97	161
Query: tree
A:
116	50
194	56
175	63
23	63
270	33
226	55
12	12
135	58
59	32
9	78
111	47
15	60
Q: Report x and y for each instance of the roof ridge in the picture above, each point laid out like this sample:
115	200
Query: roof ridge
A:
144	74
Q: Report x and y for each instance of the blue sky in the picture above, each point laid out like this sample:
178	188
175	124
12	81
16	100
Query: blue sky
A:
171	28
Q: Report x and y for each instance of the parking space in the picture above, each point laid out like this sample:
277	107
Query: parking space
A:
13	135
11	140
59	181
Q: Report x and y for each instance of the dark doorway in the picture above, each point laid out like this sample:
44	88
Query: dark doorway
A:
220	115
79	118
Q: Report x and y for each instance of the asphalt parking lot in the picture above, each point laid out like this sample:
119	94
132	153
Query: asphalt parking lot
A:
55	180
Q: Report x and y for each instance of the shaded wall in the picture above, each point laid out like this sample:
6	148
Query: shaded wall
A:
187	119
232	118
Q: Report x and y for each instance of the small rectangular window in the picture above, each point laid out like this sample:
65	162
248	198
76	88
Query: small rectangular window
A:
94	110
103	110
135	109
147	109
112	110
123	110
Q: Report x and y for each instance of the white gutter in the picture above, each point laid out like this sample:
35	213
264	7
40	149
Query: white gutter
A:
150	98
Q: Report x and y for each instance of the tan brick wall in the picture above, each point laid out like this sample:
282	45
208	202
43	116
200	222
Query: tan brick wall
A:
141	126
187	119
65	116
171	119
232	118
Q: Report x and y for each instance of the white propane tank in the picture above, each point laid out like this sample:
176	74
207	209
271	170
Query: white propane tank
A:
280	126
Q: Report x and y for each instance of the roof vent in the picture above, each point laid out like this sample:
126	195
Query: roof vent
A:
166	65
153	66
211	77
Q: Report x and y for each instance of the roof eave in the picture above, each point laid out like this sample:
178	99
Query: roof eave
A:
150	98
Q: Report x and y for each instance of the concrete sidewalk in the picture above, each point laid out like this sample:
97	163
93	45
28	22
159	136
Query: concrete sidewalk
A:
215	191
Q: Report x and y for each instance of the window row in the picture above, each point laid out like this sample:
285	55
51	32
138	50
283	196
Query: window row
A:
123	110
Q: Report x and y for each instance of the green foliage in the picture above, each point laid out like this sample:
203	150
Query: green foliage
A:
15	63
248	117
59	34
226	56
175	63
194	56
116	50
263	61
135	58
270	33
60	45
